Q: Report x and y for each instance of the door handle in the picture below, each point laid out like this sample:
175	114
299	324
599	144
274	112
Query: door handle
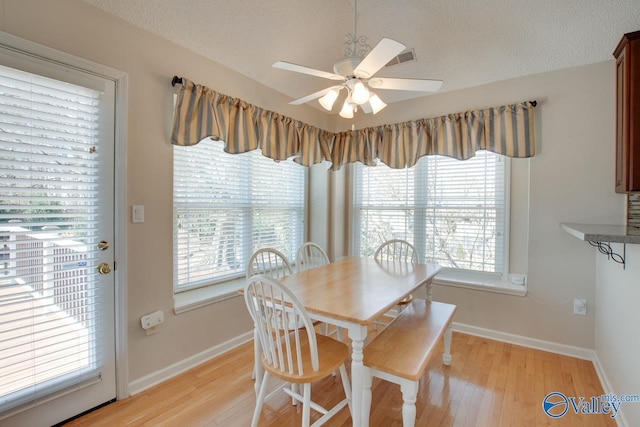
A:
104	268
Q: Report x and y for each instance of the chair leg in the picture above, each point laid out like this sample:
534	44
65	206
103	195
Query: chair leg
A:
260	400
347	387
306	405
296	389
446	357
257	365
409	396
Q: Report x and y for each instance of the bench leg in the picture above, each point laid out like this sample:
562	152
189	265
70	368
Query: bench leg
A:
409	395
367	379
446	357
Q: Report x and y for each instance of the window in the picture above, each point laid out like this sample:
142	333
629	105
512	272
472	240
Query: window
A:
227	206
454	212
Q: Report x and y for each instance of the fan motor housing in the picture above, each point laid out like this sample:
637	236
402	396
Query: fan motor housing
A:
346	66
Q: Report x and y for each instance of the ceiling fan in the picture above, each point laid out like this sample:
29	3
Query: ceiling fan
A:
356	74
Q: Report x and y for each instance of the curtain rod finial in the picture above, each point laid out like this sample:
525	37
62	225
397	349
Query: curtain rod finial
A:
175	80
534	103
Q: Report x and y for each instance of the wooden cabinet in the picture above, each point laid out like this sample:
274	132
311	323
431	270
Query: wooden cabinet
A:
627	56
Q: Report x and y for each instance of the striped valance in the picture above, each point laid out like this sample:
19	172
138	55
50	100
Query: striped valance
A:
203	113
506	130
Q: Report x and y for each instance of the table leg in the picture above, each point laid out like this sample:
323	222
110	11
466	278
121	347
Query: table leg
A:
366	395
428	291
357	333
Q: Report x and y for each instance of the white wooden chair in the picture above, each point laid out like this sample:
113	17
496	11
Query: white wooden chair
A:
292	353
310	255
271	263
398	250
268	262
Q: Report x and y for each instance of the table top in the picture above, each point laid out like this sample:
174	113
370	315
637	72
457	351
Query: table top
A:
358	289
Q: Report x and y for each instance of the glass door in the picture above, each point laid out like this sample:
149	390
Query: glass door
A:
57	356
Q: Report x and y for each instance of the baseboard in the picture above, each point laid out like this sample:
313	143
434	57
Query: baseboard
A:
552	347
606	386
148	381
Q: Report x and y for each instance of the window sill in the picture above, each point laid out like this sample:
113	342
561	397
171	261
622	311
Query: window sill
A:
201	297
479	282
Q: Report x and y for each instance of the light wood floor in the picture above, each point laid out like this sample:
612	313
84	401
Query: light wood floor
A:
489	383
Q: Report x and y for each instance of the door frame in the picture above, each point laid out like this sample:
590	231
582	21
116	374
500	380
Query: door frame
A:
120	78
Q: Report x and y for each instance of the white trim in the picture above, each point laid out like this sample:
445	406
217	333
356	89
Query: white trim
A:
479	281
506	247
201	297
606	386
120	78
120	232
552	347
155	378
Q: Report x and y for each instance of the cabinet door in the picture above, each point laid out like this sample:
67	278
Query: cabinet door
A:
622	119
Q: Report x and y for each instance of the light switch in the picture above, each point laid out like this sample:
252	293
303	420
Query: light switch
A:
137	214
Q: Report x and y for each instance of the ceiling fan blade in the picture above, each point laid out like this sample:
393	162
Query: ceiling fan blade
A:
313	96
366	108
417	85
306	70
379	56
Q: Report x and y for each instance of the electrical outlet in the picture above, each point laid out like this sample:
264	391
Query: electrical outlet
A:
580	307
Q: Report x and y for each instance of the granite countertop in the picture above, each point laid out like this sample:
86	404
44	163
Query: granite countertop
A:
603	233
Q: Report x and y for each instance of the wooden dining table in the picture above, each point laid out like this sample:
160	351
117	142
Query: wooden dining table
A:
351	294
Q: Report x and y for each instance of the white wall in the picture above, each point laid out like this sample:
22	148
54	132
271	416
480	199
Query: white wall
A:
569	180
616	328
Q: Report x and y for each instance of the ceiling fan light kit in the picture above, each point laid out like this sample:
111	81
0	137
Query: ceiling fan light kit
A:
360	94
347	109
376	103
328	99
356	74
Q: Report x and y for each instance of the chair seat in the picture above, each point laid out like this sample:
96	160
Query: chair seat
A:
331	354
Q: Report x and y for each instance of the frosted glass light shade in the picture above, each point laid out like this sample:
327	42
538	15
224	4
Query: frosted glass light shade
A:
328	99
360	93
376	103
347	110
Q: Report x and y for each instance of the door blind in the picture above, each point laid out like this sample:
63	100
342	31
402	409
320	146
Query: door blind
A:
227	206
48	211
453	211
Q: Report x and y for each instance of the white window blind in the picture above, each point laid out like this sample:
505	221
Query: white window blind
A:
453	211
226	207
48	212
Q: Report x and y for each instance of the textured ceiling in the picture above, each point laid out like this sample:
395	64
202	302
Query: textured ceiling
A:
465	43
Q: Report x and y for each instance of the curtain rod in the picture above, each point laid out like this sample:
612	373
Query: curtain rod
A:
175	80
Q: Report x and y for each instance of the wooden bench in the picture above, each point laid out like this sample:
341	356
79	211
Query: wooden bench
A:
400	353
